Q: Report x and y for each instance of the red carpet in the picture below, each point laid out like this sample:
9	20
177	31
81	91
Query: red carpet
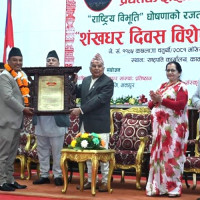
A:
19	197
121	191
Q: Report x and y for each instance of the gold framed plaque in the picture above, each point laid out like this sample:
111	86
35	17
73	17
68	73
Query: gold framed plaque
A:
52	89
51	93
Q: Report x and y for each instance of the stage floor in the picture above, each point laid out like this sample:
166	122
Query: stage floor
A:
121	191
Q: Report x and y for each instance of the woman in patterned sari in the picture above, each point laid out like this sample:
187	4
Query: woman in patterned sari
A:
170	134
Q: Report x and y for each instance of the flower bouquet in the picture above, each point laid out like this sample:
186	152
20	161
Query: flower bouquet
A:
87	141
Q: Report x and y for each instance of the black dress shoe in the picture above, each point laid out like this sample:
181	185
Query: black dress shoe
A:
58	181
41	180
16	185
6	187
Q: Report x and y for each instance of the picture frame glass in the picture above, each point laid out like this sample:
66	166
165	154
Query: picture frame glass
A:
51	93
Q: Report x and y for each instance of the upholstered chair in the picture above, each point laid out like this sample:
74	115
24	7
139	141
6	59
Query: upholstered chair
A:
32	156
23	145
192	164
131	143
116	122
72	132
21	154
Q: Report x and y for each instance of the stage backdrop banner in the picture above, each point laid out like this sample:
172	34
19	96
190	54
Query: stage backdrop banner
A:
136	39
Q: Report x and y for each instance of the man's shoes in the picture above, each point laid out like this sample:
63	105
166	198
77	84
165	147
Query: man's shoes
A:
6	187
58	181
16	185
86	186
103	187
41	180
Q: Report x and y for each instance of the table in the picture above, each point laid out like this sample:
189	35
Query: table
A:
81	156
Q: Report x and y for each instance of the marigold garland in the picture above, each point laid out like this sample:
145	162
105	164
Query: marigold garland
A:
21	81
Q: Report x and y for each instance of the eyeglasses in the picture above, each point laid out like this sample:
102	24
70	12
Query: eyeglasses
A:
171	70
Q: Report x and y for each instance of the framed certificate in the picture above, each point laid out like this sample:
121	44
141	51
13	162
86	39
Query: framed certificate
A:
51	93
52	89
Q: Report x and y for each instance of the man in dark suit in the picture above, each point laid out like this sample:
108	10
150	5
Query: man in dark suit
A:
12	110
50	131
95	93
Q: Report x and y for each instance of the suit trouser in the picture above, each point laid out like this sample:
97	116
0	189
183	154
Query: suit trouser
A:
46	146
104	166
9	143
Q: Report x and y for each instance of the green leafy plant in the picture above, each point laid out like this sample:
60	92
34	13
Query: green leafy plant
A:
130	100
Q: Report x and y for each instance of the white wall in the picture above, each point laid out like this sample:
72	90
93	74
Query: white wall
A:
39	26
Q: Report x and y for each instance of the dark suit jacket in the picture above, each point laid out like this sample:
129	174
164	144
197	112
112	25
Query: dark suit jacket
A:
95	104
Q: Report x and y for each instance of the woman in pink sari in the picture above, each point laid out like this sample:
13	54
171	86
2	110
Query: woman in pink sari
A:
170	134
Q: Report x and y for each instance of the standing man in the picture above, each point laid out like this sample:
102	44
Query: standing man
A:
95	93
13	83
50	131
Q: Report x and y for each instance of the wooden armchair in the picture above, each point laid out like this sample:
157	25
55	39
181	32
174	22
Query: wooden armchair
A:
23	145
72	132
192	164
32	156
21	153
132	138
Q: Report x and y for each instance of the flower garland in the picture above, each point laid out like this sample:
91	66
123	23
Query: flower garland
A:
22	82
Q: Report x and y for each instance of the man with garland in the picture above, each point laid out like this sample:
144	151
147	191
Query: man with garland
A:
50	131
14	93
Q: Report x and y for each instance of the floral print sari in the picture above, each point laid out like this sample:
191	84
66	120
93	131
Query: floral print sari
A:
169	140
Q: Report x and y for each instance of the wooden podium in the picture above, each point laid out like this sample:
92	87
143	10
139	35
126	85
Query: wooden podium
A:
51	89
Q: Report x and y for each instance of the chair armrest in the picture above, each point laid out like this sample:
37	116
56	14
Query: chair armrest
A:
197	144
29	146
140	152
